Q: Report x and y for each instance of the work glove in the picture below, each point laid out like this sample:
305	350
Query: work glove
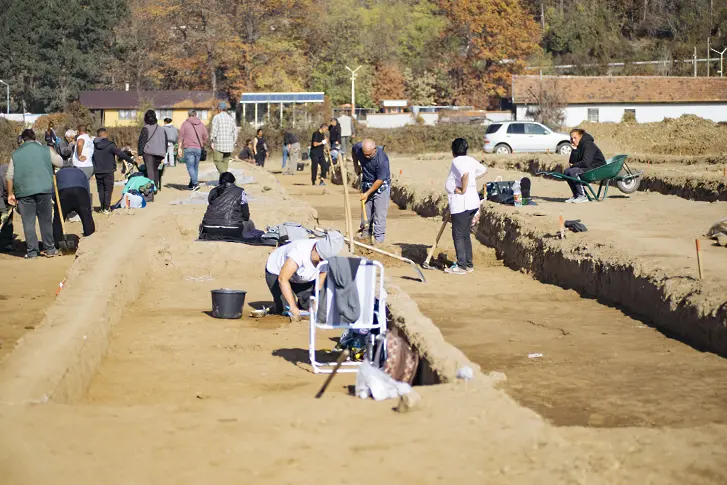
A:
576	226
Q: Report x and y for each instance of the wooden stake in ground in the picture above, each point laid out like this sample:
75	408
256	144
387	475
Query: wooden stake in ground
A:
699	259
346	207
562	228
341	359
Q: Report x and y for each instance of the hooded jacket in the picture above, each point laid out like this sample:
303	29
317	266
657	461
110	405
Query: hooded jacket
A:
191	129
104	156
587	156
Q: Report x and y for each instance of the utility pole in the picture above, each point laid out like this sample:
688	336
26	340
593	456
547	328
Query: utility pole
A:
695	62
353	90
708	53
7	96
721	60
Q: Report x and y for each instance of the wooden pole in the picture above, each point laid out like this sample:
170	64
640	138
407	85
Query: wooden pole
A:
346	207
699	259
562	228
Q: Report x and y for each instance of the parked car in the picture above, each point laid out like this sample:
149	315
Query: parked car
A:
507	137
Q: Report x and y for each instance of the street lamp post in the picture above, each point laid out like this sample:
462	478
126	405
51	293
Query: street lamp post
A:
721	60
353	90
7	96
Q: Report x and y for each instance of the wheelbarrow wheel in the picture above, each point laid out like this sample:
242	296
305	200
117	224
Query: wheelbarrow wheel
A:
629	186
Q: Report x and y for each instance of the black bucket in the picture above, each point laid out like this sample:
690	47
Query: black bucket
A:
227	303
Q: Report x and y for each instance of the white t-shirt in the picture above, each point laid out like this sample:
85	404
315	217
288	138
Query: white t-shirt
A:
299	251
345	122
87	152
470	199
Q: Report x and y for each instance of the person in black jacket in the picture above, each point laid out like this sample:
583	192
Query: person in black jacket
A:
334	133
104	166
228	205
584	157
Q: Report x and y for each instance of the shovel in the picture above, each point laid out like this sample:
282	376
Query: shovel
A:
436	242
366	222
66	244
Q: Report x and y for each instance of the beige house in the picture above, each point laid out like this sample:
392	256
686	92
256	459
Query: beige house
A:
120	108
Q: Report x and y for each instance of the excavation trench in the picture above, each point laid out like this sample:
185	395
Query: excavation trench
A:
574	360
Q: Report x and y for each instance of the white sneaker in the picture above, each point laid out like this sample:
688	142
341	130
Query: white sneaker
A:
570	201
580	199
454	269
75	218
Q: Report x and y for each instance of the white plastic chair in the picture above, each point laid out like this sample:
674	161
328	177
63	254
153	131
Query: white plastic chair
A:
369	278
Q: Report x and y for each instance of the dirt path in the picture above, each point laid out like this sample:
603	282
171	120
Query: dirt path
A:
27	288
599	366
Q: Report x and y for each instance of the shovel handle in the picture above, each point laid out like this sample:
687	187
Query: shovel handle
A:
341	359
58	203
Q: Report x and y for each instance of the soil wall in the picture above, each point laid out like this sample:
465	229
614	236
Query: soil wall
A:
676	306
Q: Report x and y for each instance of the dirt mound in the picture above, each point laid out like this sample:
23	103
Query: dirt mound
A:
686	135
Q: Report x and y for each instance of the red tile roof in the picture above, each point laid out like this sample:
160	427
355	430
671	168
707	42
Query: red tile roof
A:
158	99
622	89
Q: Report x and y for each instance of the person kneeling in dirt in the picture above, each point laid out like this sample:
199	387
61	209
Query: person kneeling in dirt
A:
584	157
291	270
228	207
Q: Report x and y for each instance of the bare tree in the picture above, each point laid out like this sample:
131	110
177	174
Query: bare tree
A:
550	103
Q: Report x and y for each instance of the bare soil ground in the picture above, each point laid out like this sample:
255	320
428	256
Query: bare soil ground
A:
27	288
600	367
183	398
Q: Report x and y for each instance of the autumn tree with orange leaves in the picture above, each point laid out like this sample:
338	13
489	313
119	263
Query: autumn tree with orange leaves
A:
490	41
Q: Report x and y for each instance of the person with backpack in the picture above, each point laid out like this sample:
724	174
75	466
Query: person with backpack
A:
104	166
193	137
152	147
372	164
464	202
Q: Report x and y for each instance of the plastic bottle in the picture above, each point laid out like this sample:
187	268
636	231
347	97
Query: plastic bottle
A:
517	195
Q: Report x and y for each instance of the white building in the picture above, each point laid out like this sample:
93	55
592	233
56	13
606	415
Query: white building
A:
608	98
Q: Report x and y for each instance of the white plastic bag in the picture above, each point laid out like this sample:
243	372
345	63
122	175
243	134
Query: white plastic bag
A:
376	383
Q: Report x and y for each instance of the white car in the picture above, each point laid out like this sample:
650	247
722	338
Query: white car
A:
505	137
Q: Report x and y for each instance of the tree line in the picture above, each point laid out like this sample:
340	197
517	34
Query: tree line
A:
428	51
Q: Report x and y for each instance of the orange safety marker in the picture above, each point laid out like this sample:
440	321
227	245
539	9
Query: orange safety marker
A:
699	259
401	171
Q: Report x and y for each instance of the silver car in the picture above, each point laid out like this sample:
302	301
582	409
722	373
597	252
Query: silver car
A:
507	137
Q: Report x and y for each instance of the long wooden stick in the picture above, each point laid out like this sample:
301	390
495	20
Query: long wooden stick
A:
346	207
436	242
341	359
699	259
365	217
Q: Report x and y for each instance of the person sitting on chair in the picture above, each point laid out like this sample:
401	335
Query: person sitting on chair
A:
228	210
290	271
584	157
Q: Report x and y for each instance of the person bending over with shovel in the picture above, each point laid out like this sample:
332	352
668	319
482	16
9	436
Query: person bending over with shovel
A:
291	270
464	202
372	164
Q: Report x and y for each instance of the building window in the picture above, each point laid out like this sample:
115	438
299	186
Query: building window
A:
593	115
127	114
163	113
203	114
